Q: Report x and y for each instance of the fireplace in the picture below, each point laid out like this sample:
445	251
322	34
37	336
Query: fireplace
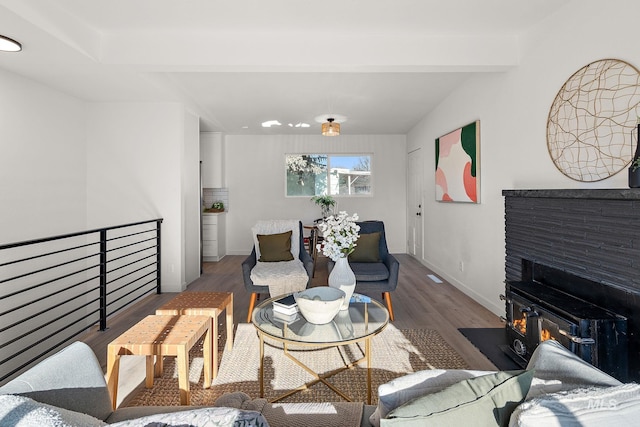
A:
536	311
583	247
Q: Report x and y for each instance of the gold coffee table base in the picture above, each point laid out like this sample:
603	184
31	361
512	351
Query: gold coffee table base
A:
319	377
363	320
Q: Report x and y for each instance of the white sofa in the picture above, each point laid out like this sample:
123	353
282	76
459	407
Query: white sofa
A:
68	389
556	389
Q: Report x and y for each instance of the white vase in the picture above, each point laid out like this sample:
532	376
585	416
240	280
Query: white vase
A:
342	278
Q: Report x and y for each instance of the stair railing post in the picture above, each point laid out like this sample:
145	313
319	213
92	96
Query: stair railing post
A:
103	280
158	258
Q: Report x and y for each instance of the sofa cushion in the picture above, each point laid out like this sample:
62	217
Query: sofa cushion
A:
367	248
369	271
310	414
210	417
21	411
557	369
401	390
488	400
582	407
275	247
74	369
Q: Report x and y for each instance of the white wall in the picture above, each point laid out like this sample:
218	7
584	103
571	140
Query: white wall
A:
255	177
68	166
42	161
191	206
137	160
512	108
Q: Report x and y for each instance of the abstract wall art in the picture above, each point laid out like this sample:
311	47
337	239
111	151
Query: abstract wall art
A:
458	165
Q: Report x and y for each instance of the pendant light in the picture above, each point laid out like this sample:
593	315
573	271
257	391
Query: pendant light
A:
330	128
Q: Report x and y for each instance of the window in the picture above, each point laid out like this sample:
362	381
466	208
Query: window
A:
334	174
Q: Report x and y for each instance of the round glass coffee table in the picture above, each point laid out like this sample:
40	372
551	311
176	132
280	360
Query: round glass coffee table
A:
359	323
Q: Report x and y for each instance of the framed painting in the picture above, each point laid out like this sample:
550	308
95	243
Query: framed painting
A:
458	165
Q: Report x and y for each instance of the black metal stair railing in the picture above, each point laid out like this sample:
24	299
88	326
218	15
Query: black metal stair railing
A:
54	289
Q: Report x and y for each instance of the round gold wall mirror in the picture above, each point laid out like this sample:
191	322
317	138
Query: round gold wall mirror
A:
591	119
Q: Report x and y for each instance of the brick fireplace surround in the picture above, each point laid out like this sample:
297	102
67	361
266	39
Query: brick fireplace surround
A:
594	234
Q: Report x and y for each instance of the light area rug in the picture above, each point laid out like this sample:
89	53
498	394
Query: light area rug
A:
395	353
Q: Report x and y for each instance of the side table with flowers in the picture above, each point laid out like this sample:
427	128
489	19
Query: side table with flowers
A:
340	233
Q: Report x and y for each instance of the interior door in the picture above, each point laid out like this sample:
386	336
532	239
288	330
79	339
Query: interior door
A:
415	181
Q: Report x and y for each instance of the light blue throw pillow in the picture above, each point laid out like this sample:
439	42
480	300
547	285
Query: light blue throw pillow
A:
487	400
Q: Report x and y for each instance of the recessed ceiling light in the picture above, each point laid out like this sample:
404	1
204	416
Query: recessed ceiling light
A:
299	125
270	123
337	118
9	45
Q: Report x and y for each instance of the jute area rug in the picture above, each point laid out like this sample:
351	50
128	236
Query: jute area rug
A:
395	353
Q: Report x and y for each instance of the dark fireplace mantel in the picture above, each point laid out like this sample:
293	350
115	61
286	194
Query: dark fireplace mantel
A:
590	233
602	194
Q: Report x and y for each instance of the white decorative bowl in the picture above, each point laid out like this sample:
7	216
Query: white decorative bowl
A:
319	305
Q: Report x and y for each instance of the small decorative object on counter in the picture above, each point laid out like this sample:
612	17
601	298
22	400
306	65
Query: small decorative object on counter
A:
216	207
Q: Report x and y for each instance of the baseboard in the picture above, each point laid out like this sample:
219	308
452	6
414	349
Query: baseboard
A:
496	309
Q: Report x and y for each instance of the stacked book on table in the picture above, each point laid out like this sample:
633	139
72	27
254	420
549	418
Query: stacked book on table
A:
285	309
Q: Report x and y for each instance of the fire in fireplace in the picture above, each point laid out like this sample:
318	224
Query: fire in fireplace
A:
536	312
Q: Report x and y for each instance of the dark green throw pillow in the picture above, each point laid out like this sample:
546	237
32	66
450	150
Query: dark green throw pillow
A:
488	400
275	247
367	248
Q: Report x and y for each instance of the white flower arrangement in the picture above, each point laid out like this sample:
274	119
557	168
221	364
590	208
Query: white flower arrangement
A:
340	233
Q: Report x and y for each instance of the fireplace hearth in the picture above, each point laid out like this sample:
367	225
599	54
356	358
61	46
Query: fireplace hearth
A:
537	312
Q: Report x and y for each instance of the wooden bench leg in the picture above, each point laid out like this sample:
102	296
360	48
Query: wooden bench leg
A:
183	374
113	370
229	311
252	303
387	298
150	370
213	348
210	341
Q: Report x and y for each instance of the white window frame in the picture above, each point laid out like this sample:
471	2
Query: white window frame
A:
370	173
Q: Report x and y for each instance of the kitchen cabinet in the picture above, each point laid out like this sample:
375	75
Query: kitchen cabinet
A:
213	236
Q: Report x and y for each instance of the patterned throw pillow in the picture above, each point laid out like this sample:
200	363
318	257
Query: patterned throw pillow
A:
201	417
21	411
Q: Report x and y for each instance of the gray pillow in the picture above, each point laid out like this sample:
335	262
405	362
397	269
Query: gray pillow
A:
487	400
401	390
558	369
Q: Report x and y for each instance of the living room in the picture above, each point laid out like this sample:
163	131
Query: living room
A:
87	140
69	162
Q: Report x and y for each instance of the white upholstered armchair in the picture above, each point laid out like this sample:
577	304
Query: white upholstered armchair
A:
276	266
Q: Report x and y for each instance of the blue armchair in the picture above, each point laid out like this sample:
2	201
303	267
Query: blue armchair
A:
381	276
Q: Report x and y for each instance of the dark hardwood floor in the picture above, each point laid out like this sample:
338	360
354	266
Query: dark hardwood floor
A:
418	303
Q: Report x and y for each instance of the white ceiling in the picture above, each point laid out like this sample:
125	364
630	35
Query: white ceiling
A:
383	64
